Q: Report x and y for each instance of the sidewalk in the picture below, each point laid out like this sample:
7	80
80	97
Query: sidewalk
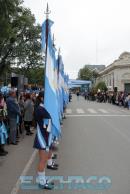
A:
12	165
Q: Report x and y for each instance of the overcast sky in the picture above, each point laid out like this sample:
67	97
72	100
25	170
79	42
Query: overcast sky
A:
88	31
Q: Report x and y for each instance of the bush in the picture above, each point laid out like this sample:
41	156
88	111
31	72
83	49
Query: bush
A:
102	86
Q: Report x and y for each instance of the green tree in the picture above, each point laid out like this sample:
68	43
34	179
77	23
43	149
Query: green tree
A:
20	37
9	10
36	76
28	48
87	74
102	86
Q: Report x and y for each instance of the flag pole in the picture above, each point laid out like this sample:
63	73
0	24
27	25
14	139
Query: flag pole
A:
54	41
59	52
47	13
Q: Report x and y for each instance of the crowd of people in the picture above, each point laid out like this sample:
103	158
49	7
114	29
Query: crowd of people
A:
115	98
20	114
16	117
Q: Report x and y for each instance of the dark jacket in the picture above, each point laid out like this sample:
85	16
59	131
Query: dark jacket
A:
12	108
40	114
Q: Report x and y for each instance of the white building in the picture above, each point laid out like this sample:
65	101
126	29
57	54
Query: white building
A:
117	75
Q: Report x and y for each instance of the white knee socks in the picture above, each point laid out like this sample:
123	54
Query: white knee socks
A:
41	178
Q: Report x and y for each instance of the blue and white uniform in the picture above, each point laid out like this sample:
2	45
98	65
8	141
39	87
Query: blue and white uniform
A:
3	133
41	141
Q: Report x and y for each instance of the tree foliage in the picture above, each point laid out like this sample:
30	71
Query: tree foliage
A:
102	86
87	74
20	37
34	75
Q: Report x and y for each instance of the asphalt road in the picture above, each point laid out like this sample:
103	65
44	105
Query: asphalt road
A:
95	143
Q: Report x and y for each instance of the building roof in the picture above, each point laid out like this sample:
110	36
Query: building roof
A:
121	62
97	68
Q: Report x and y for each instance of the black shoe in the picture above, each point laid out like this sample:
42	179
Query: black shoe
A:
28	133
56	165
2	154
54	157
47	186
14	143
31	133
3	151
49	182
52	167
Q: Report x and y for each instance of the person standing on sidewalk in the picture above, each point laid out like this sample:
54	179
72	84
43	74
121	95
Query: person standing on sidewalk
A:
40	143
13	113
77	95
28	114
21	105
3	130
129	101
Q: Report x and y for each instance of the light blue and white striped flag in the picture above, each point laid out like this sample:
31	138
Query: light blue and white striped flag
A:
50	93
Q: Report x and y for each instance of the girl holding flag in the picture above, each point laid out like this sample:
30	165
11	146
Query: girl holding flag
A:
41	143
47	116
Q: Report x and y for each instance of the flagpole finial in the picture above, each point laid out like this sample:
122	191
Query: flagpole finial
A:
47	12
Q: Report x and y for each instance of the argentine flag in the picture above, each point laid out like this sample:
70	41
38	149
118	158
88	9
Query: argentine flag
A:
66	89
60	83
50	93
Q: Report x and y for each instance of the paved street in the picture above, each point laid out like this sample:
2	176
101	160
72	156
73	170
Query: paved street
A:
95	142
